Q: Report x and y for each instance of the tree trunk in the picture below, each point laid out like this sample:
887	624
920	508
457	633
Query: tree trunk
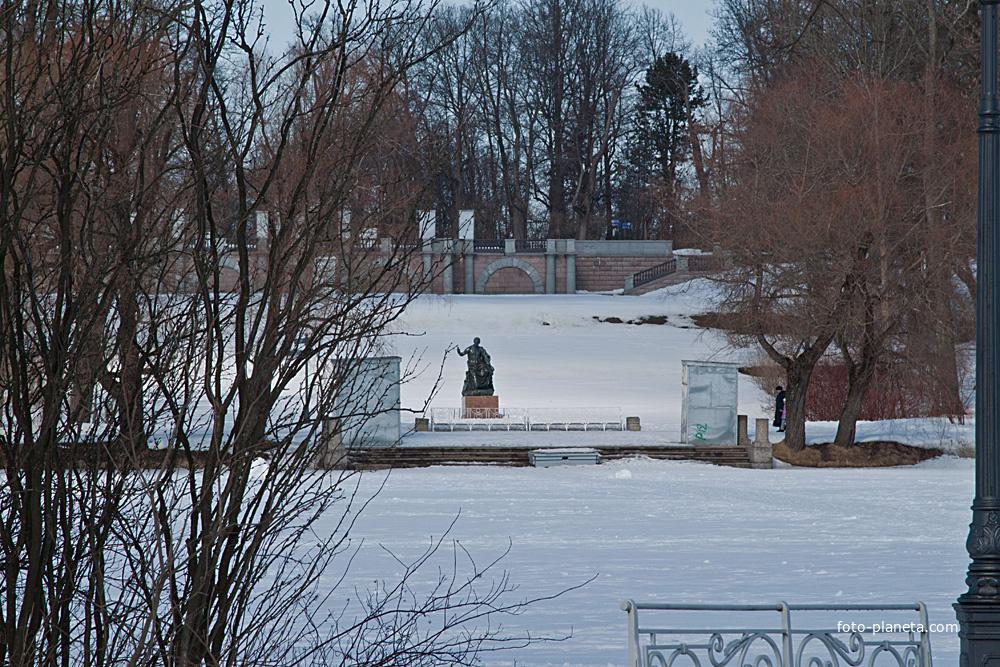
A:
557	157
949	394
795	406
940	329
798	370
847	425
130	406
696	156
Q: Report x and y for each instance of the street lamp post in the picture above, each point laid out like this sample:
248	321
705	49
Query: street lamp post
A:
978	609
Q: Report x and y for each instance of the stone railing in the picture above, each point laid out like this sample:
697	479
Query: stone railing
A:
699	635
759	450
488	245
528	419
530	245
701	263
677	263
573	246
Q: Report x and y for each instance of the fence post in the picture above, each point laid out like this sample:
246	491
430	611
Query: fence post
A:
634	659
760	451
742	434
786	635
331	454
925	638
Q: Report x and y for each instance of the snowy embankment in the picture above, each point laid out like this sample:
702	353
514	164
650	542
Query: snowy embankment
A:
553	351
936	433
567	351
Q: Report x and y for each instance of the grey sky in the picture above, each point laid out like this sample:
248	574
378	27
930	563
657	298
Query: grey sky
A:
692	14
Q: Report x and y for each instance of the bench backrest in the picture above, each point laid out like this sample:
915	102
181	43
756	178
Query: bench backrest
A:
680	635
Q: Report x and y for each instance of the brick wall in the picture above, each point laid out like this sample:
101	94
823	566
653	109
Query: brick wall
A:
510	281
602	274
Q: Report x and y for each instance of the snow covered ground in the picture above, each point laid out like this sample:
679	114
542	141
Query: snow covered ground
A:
558	351
681	532
653	530
552	352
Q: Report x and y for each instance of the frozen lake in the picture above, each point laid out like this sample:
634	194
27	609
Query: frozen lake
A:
682	532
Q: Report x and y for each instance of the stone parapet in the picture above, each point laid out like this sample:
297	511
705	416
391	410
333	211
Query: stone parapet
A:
625	248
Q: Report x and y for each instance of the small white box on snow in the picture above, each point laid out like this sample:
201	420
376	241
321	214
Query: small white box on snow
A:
576	456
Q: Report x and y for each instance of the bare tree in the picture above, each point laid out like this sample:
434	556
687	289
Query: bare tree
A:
86	193
892	279
793	252
200	245
904	305
511	121
603	63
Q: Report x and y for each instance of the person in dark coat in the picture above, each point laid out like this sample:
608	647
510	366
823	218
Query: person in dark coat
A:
779	408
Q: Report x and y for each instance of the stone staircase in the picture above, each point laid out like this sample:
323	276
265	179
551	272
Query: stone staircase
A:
661	282
675	270
402	456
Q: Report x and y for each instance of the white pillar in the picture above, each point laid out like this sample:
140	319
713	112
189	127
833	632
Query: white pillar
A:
426	219
467	225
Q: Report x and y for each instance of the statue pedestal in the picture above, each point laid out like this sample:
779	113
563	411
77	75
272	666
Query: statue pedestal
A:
480	407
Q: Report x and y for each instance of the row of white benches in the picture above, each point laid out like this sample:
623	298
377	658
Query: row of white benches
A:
491	425
529	419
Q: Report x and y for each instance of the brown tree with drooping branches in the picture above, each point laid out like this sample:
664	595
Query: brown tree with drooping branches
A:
899	301
824	229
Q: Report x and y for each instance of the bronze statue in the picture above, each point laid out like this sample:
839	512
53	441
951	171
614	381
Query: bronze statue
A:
479	376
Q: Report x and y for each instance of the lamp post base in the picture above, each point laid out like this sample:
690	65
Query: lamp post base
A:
979	634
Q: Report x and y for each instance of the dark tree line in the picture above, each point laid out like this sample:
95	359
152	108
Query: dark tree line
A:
563	115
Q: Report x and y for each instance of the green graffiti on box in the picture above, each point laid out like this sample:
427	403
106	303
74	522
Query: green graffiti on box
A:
709	402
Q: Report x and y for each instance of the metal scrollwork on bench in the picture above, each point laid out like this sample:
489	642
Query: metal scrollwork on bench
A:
743	645
719	653
852	654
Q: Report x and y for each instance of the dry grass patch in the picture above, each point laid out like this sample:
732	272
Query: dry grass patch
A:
645	319
862	455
